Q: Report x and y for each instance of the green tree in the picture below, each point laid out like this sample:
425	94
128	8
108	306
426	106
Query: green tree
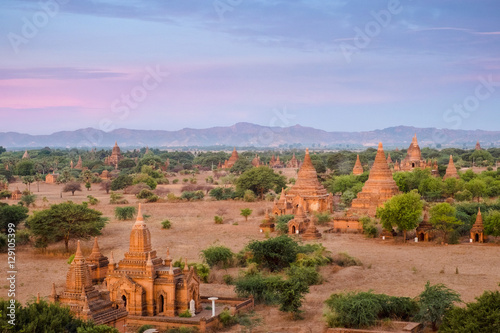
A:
240	166
2	150
25	168
72	187
431	188
274	254
42	316
217	256
480	316
65	221
442	217
491	223
403	211
14	214
477	187
291	293
124	213
452	186
479	156
434	302
28	199
120	182
28	180
260	180
246	212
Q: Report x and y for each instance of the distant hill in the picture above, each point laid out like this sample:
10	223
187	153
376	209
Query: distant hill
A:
251	135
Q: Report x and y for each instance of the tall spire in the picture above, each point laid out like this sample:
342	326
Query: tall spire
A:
140	237
451	170
358	168
307	183
78	276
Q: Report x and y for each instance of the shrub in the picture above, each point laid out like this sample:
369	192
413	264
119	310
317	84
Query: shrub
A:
218	219
117	199
203	271
362	309
3	242
121	182
136	189
144	328
226	319
263	289
222	193
313	255
22	237
217	256
480	316
322	218
249	196
308	275
5	194
192	196
166	224
28	199
343	259
281	224
92	200
369	228
464	195
274	254
185	314
228	279
125	213
175	181
144	194
434	302
153	198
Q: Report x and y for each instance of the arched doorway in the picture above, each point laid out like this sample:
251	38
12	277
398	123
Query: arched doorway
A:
476	237
421	237
124	299
161	304
293	229
413	165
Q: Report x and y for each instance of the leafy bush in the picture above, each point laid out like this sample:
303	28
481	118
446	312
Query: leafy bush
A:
363	309
246	212
369	228
120	182
175	181
23	237
222	193
117	199
263	289
434	302
192	196
144	194
166	224
28	199
92	200
5	194
322	218
217	256
274	254
218	219
313	255
281	224
228	279
249	196
480	316
125	213
203	271
227	319
343	259
464	195
308	275
185	314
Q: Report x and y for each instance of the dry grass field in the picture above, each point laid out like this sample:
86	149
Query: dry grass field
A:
388	266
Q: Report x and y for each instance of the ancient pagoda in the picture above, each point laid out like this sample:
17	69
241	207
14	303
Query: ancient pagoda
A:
267	224
424	228
358	168
451	170
84	300
478	146
300	222
116	156
256	161
379	187
477	232
149	286
293	163
389	159
413	157
228	164
98	264
311	232
307	191
79	164
26	155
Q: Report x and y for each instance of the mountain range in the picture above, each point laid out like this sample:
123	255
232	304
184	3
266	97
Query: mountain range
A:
252	135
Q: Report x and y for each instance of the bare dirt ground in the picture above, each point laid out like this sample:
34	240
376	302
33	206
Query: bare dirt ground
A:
388	267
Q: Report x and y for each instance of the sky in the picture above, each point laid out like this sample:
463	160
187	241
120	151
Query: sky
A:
337	65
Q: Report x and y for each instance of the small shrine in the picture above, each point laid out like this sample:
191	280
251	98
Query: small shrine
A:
451	170
477	232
